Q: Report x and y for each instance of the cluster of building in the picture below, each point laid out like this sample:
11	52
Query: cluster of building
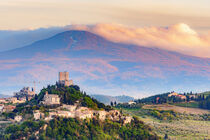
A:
182	97
25	94
67	111
6	108
19	97
76	111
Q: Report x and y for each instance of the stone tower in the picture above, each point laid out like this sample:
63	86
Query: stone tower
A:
63	76
64	79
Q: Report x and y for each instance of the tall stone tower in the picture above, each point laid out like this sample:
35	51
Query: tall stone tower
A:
63	76
64	79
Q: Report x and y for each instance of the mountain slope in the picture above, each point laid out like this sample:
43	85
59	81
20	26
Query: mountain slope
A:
107	67
3	96
108	99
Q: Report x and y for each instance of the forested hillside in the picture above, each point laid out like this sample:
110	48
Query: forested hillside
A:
74	129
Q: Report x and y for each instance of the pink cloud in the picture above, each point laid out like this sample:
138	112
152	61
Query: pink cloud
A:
180	37
45	68
9	66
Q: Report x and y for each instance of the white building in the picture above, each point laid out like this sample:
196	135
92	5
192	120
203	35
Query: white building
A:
1	108
18	118
51	99
131	102
38	115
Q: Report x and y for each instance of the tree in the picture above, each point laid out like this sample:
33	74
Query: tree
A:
166	136
36	97
115	103
111	103
188	98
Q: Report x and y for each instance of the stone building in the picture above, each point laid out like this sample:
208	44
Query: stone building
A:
173	94
14	100
131	102
1	108
25	93
8	108
183	97
18	118
38	115
64	79
4	100
51	99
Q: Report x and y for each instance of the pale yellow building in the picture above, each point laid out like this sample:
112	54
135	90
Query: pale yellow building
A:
51	99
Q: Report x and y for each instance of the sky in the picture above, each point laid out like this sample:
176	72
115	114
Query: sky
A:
32	14
181	26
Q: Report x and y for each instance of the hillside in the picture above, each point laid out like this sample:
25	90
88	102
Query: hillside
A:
205	93
97	62
74	129
92	120
107	99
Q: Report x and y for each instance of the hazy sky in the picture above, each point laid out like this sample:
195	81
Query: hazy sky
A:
30	14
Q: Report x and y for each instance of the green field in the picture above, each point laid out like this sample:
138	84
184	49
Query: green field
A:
184	127
206	93
188	104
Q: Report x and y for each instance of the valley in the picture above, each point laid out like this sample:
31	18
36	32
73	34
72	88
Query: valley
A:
184	125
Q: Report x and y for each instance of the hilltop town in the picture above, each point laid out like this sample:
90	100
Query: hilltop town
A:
59	102
58	108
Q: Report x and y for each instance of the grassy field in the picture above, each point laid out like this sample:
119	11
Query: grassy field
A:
188	104
206	93
182	129
190	125
177	109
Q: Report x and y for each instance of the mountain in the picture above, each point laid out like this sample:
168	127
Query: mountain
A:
108	99
103	67
3	96
10	39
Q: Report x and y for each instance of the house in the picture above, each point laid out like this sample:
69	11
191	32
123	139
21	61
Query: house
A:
38	115
3	100
157	99
193	96
8	108
65	114
69	107
18	118
1	108
173	94
181	97
131	102
51	99
13	100
127	119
